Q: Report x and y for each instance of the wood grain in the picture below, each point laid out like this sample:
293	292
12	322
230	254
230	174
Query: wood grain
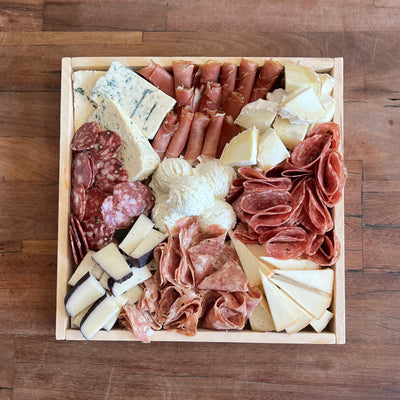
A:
21	15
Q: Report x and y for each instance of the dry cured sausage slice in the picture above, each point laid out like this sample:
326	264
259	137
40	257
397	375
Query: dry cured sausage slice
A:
109	174
78	201
330	128
135	320
328	251
113	217
78	245
85	137
81	234
73	245
82	170
107	146
98	233
254	202
94	200
245	234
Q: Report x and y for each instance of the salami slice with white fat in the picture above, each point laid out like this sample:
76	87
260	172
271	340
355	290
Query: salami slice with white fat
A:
83	170
78	201
107	146
109	174
133	198
85	137
98	233
113	217
94	200
77	241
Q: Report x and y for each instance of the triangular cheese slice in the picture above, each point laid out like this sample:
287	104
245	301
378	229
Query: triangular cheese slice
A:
261	319
313	302
320	324
289	264
250	263
302	316
321	279
277	301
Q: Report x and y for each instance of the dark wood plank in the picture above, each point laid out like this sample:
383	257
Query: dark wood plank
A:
21	15
381	209
10	246
7	362
353	241
105	16
353	188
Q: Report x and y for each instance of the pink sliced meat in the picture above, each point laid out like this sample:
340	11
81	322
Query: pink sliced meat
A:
267	183
284	242
298	193
110	174
107	146
246	78
211	139
133	198
234	104
328	251
98	233
314	243
78	201
266	79
183	73
250	173
81	234
77	240
167	258
330	128
211	97
273	216
168	297
228	80
291	171
159	77
85	137
73	246
151	294
228	131
185	96
164	134
82	170
113	217
245	234
196	136
253	298
94	200
135	320
235	190
210	71
254	202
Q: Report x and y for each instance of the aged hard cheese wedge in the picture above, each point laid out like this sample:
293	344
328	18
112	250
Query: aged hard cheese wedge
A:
242	149
76	320
320	324
289	264
139	275
85	292
290	134
140	101
133	295
111	261
259	113
82	85
298	76
137	155
86	265
261	319
104	280
302	316
98	315
271	150
139	230
120	301
250	263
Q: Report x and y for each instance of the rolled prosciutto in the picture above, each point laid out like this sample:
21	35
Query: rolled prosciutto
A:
159	77
267	78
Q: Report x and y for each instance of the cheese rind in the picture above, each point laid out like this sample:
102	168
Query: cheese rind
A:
140	101
290	134
259	113
271	150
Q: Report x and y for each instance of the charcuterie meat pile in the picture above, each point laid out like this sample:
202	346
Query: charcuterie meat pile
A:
102	200
198	282
288	207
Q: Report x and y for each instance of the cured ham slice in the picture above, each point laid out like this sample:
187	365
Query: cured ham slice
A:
159	77
134	320
228	131
246	77
185	96
266	79
178	141
183	73
210	71
196	136
211	97
209	149
164	134
234	104
228	80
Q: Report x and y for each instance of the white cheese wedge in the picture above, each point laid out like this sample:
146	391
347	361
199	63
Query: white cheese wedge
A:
277	301
137	155
271	150
302	316
250	263
133	295
320	324
312	302
85	292
320	280
259	113
139	275
120	301
289	264
76	320
98	315
242	149
111	261
139	230
290	134
149	243
104	280
86	265
298	76
82	85
304	107
278	96
140	101
327	83
261	319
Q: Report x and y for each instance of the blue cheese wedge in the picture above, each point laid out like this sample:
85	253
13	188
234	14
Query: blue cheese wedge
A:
137	155
82	84
140	101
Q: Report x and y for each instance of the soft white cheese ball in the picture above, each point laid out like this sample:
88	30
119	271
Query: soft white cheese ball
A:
221	213
190	195
219	176
163	215
169	170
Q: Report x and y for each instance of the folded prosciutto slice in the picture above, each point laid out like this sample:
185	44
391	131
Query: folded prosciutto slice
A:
267	78
183	73
159	77
246	77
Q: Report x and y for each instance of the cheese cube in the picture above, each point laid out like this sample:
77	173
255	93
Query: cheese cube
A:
290	134
271	150
242	149
259	113
298	76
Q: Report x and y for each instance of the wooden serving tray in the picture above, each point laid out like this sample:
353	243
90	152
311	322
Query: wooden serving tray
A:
334	333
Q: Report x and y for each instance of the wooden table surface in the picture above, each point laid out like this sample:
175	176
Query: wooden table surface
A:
35	35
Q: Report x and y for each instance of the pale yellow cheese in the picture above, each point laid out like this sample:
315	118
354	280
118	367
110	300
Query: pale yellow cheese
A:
298	76
327	83
259	113
293	263
261	319
290	134
242	149
271	150
320	324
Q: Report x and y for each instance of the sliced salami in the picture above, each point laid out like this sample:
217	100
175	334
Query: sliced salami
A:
330	128
85	137
258	201
98	233
235	190
245	234
107	146
133	198
135	320
78	201
81	235
73	246
77	241
82	170
94	200
328	251
109	174
267	184
113	217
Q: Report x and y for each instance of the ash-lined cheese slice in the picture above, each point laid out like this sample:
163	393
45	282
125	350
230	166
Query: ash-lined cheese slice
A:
139	230
139	275
298	76
290	134
104	280
289	264
112	262
140	101
86	265
148	244
120	301
320	324
259	113
133	295
242	149
137	154
271	150
76	320
98	315
82	84
261	319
